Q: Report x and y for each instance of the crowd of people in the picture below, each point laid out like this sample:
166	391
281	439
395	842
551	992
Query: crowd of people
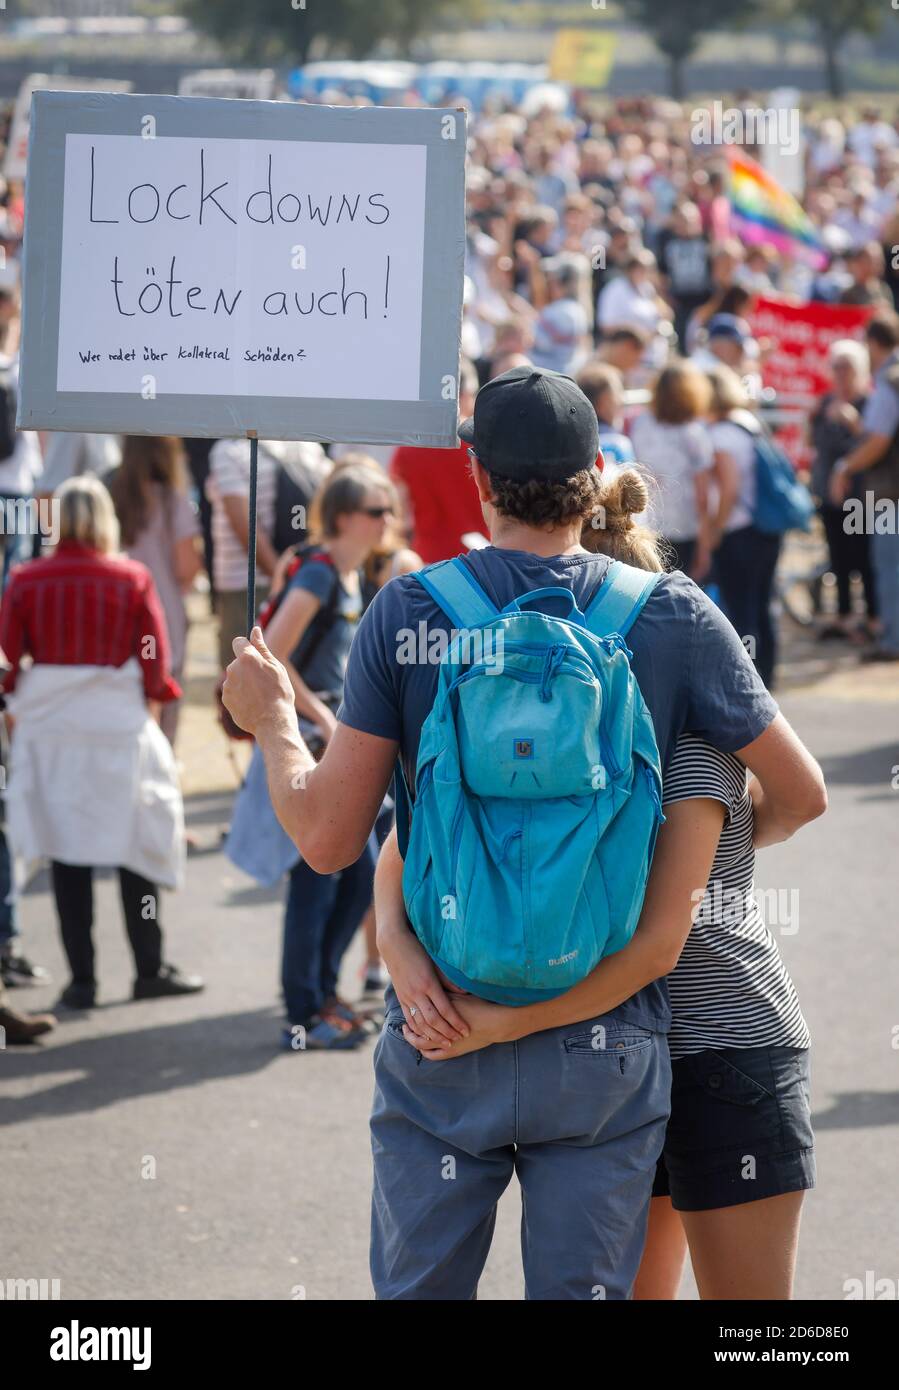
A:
600	244
603	268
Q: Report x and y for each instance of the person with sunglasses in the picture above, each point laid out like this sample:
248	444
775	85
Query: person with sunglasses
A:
311	631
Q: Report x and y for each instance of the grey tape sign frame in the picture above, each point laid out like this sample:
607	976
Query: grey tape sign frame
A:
430	421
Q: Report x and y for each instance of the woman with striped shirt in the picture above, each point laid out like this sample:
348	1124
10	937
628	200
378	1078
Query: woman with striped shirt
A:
739	1147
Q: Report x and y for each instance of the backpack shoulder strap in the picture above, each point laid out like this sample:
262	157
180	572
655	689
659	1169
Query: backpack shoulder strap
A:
455	590
324	619
619	600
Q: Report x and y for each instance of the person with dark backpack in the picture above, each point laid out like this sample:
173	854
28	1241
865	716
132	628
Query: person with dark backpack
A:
302	469
758	499
310	623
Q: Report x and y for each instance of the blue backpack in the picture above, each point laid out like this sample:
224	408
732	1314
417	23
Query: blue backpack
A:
782	502
538	788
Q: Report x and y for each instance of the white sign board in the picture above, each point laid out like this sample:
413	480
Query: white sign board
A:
15	162
784	159
209	262
212	267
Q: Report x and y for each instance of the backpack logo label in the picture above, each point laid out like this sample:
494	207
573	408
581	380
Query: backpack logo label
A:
563	960
523	748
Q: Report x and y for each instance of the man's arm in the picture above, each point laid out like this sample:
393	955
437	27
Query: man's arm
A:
867	454
412	972
328	809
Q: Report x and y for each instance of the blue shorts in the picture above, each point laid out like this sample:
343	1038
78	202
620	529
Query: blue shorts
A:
577	1113
740	1128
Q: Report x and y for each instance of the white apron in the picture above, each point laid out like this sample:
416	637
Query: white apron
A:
92	778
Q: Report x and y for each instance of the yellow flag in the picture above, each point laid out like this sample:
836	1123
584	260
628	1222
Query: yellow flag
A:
583	57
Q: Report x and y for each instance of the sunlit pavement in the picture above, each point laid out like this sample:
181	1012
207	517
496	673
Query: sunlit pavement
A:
169	1149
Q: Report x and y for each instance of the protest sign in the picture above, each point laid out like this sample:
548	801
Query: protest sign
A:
796	339
784	158
800	336
222	267
583	57
16	158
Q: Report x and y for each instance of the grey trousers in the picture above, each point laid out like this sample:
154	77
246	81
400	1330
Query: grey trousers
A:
578	1114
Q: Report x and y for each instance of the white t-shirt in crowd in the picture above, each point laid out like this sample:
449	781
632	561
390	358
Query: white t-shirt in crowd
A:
623	305
559	336
728	438
229	476
672	455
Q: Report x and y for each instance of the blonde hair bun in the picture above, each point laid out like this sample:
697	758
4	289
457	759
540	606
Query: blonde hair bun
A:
633	494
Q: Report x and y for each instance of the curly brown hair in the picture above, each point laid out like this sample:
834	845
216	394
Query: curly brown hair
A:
542	504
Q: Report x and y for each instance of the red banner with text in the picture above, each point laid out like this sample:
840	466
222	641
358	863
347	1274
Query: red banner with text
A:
795	339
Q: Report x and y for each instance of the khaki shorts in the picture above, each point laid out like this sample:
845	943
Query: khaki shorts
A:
232	615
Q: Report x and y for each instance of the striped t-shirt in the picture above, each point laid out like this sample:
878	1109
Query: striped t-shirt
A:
730	987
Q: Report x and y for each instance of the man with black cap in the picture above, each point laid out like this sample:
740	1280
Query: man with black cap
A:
582	1138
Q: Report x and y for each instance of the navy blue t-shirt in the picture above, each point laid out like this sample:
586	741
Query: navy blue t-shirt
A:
325	671
693	671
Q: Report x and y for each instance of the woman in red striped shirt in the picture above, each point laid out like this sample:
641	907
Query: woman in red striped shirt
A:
92	779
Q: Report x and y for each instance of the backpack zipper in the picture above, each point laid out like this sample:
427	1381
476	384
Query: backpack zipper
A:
526	888
457	842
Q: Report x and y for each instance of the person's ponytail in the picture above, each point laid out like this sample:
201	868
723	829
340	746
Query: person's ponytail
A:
611	528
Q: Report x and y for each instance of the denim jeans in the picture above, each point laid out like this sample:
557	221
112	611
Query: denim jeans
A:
8	925
745	563
577	1114
321	916
18	544
885	563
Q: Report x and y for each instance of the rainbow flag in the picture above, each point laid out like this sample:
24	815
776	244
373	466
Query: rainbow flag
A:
763	211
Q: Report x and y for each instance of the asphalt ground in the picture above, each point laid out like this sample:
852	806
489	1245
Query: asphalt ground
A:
170	1149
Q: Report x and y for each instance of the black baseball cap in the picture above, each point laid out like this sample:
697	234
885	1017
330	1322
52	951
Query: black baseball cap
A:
533	424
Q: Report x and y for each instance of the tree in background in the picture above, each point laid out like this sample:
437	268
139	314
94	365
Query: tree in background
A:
677	26
274	31
834	21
